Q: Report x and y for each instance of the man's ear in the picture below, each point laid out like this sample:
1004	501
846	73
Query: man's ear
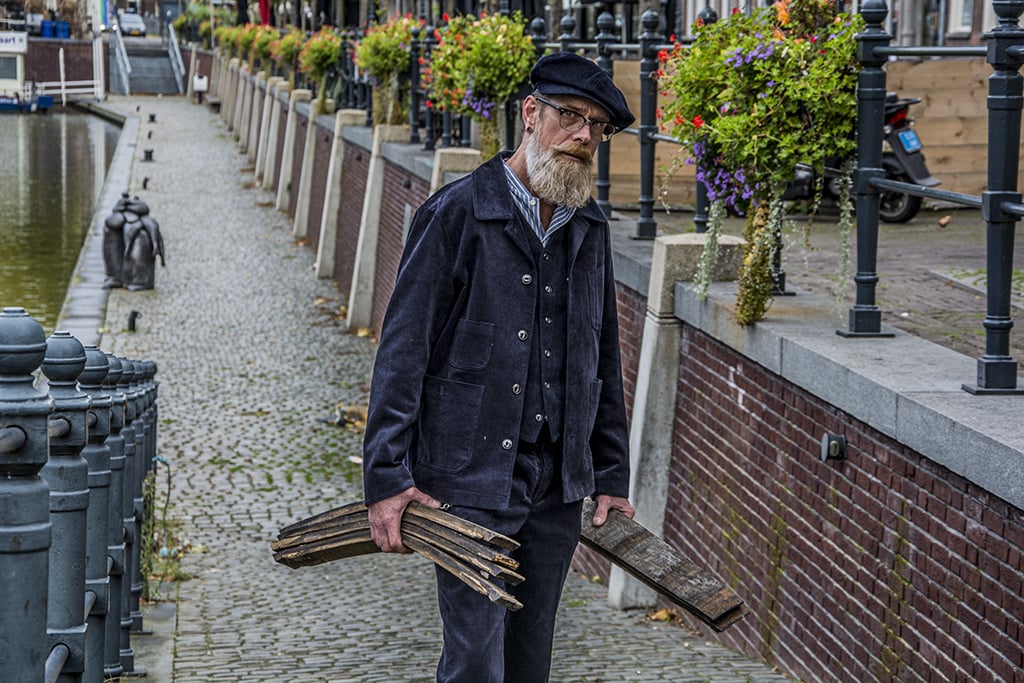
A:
531	110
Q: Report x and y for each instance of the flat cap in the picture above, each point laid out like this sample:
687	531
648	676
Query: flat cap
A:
565	73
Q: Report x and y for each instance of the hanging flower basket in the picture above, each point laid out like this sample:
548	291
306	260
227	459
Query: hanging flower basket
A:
477	65
383	54
750	99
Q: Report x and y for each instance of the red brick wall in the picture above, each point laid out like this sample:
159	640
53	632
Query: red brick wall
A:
282	127
354	170
298	151
401	190
318	186
881	567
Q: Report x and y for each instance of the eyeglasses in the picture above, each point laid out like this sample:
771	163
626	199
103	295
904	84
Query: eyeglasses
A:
573	121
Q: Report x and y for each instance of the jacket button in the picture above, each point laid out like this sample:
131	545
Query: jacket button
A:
547	353
547	289
527	279
516	389
538	417
522	335
507	444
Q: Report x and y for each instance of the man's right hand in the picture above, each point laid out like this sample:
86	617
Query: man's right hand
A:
386	518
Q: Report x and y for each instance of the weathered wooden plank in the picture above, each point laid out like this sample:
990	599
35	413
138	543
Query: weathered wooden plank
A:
465	574
655	563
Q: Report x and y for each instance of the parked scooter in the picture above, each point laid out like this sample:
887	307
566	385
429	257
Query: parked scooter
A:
901	158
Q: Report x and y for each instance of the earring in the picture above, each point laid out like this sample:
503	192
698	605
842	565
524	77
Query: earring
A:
529	129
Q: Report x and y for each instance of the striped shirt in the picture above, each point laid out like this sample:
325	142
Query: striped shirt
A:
529	207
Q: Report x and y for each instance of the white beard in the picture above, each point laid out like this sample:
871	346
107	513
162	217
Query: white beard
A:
559	181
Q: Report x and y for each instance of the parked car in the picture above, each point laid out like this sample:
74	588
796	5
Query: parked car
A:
132	25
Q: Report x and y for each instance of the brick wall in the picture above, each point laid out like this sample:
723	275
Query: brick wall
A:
882	567
354	169
403	193
299	151
318	186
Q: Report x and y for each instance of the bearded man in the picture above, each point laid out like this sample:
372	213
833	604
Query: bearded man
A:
497	387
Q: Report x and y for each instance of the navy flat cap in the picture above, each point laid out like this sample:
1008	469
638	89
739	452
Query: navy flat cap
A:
565	73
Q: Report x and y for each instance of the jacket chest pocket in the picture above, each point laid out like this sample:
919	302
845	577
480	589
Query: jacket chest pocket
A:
471	347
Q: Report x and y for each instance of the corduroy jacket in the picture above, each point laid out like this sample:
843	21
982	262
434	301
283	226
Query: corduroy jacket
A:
445	400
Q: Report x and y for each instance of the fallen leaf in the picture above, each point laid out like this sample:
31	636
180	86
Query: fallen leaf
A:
945	220
363	332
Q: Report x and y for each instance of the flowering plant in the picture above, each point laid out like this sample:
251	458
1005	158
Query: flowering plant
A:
259	51
285	52
753	97
244	38
384	55
317	55
477	65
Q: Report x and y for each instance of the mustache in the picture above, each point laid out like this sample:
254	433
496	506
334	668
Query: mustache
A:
578	151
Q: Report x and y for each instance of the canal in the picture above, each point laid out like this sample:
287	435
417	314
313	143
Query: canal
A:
52	169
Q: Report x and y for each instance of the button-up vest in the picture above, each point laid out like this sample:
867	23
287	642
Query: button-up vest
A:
544	398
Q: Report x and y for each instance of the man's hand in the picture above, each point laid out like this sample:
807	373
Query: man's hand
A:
606	503
386	518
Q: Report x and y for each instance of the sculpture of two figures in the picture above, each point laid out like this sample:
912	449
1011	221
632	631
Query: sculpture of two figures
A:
131	245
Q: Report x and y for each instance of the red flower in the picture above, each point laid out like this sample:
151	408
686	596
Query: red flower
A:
735	10
662	56
698	121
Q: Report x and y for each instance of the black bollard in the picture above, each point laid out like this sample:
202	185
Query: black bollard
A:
25	523
112	667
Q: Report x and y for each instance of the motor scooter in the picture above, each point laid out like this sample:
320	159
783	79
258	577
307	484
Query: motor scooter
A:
902	160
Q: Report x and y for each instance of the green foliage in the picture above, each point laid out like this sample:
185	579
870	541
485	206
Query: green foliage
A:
260	51
319	54
244	38
384	51
753	97
479	63
285	52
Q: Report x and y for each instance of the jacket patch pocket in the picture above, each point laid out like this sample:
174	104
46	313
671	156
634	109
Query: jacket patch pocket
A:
449	420
471	347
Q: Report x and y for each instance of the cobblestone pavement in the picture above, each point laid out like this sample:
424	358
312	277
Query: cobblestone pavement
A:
251	356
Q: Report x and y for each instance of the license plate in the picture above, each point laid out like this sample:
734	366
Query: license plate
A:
909	140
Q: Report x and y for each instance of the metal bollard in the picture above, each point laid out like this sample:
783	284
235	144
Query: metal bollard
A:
112	667
126	385
25	530
97	455
140	386
67	474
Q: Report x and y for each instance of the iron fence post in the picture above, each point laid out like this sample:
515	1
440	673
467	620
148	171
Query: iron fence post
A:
97	455
112	666
124	385
25	530
997	371
604	38
430	136
568	37
67	474
700	218
646	227
414	87
865	319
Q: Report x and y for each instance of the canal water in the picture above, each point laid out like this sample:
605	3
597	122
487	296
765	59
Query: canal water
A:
52	169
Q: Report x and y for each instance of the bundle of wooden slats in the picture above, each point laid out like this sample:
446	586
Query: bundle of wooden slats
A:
472	553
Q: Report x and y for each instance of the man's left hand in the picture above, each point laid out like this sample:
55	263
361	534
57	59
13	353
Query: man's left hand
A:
606	503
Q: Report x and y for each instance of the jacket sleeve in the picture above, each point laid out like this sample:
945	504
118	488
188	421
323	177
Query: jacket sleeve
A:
609	441
418	310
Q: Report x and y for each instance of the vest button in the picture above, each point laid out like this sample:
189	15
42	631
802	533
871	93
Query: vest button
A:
547	289
516	389
547	353
522	335
538	417
527	279
507	444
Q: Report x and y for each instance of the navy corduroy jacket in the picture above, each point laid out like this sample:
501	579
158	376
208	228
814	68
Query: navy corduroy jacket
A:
443	414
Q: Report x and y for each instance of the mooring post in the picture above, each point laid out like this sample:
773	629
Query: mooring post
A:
24	498
67	474
143	428
112	667
97	455
126	386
